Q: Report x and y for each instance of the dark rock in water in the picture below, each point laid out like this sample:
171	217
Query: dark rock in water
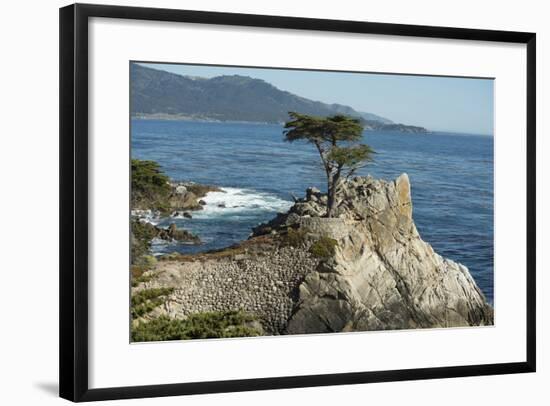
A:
202	202
221	205
173	233
187	215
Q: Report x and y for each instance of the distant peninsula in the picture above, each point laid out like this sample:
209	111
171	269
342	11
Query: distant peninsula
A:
157	94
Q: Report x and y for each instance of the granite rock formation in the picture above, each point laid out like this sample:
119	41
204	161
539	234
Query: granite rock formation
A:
383	275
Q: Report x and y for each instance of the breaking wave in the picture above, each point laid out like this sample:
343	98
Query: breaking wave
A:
235	201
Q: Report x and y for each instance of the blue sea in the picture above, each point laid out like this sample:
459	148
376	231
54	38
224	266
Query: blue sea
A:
451	179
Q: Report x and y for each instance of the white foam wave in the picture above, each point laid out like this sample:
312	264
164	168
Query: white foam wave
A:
236	201
146	216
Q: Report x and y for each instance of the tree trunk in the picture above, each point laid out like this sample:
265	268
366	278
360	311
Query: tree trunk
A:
332	188
330	198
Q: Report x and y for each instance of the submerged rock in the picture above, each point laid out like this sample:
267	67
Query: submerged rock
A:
176	234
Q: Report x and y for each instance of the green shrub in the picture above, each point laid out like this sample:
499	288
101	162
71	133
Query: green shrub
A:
144	301
136	280
146	307
150	186
142	234
148	294
149	261
148	180
295	237
324	247
199	325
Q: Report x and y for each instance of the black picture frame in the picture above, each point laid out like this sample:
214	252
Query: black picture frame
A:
73	281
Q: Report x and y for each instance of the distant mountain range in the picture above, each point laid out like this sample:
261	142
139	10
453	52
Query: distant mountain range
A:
164	95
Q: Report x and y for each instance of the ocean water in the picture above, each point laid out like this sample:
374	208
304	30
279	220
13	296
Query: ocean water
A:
451	182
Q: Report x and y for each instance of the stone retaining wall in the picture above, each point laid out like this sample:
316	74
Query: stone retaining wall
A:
261	284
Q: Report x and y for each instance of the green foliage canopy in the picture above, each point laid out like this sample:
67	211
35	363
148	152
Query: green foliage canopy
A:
336	138
149	184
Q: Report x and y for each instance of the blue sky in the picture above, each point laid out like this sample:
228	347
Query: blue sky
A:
463	105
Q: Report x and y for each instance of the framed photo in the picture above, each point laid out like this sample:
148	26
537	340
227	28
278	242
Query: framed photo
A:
256	202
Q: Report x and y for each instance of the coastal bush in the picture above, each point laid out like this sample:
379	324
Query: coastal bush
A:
142	234
149	260
173	256
324	247
145	295
142	278
146	307
150	186
295	237
144	301
148	179
199	325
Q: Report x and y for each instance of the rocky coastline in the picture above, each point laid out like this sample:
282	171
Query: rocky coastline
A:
365	269
183	199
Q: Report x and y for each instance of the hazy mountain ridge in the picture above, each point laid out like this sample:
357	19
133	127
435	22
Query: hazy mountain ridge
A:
160	94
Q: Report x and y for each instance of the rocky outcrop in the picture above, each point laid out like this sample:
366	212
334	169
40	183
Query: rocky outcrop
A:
365	269
176	234
171	233
181	198
383	275
188	195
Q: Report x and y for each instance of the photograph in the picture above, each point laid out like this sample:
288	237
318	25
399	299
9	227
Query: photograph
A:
270	202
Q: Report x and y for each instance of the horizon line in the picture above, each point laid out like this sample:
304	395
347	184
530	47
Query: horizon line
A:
381	115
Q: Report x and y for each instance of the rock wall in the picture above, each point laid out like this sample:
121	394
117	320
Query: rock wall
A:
262	282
